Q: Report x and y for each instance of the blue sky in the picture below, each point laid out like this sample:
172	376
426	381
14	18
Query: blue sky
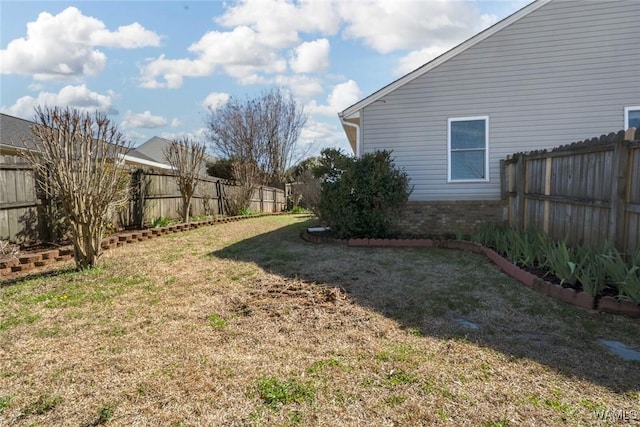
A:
155	66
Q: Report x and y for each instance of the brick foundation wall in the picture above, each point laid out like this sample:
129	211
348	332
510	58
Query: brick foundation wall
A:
436	217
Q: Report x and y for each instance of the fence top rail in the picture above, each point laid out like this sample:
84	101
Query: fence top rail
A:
631	137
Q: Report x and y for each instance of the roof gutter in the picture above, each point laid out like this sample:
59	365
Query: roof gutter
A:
345	123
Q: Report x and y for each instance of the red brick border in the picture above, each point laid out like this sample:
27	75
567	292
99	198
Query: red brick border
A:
10	267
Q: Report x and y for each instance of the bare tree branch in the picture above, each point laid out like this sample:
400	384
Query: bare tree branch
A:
186	157
261	132
80	161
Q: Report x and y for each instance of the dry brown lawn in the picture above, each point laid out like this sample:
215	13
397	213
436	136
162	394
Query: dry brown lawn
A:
245	324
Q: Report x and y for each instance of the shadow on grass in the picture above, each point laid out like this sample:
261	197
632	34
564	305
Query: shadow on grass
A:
38	275
451	294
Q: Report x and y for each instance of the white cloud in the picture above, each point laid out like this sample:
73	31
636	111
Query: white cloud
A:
303	86
197	135
342	96
317	135
79	97
64	46
253	49
388	26
215	99
280	21
417	58
242	53
142	120
176	123
311	57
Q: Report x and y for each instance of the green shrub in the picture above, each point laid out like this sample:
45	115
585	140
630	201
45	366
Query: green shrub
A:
161	221
361	197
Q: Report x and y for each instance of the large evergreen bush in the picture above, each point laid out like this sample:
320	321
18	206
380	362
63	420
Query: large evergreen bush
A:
361	197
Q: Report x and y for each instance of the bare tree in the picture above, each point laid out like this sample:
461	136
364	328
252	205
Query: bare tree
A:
79	161
186	157
262	132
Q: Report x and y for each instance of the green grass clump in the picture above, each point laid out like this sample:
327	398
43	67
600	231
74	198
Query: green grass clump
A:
275	392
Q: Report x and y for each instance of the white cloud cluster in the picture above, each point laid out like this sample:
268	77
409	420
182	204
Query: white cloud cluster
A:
311	57
215	99
79	97
144	120
263	33
65	46
342	96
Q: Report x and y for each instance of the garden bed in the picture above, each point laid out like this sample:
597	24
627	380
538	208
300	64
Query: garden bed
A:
552	288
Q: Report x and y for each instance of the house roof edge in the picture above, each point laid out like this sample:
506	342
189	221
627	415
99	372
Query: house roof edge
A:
423	69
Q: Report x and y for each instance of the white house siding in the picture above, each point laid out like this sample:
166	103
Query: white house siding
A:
563	73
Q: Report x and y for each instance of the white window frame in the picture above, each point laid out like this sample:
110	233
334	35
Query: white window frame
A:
627	110
486	148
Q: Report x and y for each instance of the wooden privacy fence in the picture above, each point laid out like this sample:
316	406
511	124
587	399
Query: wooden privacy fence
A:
585	193
23	211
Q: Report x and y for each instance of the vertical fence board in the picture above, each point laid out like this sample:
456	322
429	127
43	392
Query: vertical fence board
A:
20	215
586	193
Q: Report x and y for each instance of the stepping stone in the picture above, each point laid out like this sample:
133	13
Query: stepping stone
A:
466	323
621	349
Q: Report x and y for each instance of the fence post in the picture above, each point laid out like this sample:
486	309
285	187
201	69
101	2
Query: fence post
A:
617	213
220	201
521	177
138	190
547	192
261	198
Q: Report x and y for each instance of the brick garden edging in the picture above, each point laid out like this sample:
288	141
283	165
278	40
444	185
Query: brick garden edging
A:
605	304
28	261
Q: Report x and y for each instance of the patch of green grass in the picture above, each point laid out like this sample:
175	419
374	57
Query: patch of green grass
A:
398	352
41	406
400	377
104	414
22	316
216	321
395	400
322	365
49	332
295	418
116	330
442	414
275	392
5	401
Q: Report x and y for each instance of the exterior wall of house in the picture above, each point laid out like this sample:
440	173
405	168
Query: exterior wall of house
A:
441	217
563	73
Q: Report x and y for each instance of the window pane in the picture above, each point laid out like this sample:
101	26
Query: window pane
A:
467	134
467	164
634	119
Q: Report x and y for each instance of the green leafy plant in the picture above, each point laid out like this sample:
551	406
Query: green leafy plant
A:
245	211
625	276
161	221
562	261
591	270
298	210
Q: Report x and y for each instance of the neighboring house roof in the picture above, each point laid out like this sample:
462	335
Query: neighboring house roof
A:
16	135
350	117
154	148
